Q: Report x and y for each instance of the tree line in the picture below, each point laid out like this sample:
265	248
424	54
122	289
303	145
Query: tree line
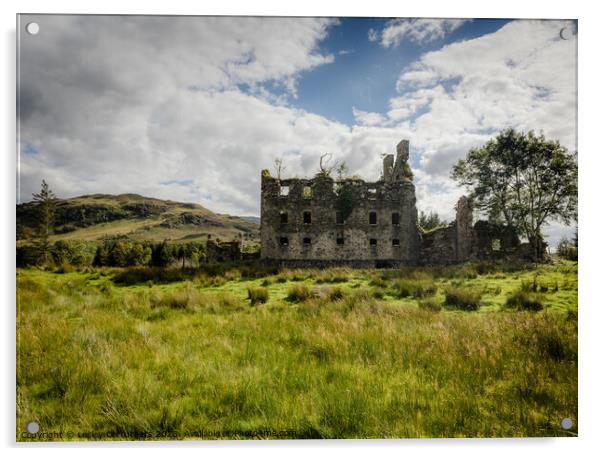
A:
119	253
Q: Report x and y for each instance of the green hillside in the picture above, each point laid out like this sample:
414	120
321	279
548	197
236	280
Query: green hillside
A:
128	216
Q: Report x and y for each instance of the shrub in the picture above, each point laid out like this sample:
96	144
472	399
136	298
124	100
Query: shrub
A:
335	275
299	293
179	299
136	275
529	285
462	298
430	304
414	288
267	282
258	295
571	315
336	293
378	293
65	268
378	282
74	253
525	300
468	271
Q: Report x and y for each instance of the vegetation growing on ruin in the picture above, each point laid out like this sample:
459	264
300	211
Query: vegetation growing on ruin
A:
129	352
346	199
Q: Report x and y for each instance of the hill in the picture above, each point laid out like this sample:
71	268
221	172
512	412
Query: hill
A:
129	216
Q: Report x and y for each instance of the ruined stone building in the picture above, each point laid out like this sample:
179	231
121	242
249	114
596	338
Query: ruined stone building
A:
315	222
318	222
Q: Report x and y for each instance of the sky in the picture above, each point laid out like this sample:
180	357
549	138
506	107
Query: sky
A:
192	108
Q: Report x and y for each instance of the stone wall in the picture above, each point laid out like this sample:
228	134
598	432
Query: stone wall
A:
352	222
439	246
218	252
320	222
464	233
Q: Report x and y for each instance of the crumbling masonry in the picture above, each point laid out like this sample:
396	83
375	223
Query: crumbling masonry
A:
319	222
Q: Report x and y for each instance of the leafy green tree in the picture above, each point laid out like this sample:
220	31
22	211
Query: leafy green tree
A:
346	200
119	255
101	258
138	255
45	202
522	180
567	249
71	252
429	221
162	254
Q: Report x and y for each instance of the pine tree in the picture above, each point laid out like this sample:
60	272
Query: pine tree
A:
45	207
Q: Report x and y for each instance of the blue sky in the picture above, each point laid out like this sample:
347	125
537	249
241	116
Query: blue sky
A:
364	73
192	108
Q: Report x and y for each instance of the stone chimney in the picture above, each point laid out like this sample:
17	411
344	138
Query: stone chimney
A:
403	153
403	150
388	163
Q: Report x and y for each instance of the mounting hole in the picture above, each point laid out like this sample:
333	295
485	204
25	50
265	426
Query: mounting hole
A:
566	424
32	28
32	427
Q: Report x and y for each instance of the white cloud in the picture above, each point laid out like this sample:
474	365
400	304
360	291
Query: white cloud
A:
372	35
113	106
417	30
521	76
100	95
368	118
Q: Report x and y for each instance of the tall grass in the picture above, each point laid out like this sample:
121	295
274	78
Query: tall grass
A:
525	300
175	360
258	295
463	298
416	288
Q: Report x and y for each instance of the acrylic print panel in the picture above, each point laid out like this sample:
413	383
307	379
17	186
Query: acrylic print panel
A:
295	228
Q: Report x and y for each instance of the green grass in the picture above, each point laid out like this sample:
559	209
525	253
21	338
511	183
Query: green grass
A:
194	358
147	227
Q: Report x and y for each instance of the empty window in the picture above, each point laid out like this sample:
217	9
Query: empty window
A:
307	217
371	193
339	218
284	190
373	242
372	218
340	241
395	218
306	241
307	191
283	217
284	241
395	242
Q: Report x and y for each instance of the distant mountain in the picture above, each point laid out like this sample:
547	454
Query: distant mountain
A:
251	218
130	216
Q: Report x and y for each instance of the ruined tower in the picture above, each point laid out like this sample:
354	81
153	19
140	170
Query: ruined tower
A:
464	231
315	222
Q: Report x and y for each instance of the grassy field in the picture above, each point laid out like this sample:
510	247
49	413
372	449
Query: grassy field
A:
109	354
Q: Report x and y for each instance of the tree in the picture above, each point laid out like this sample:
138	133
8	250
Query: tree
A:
162	254
523	180
429	221
567	249
279	167
101	258
341	171
45	202
325	170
